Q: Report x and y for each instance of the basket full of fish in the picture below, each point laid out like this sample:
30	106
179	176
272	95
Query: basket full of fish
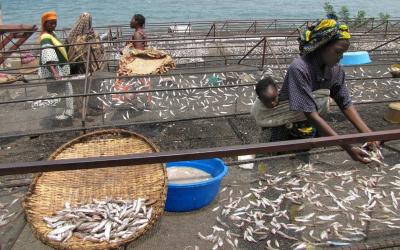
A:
102	208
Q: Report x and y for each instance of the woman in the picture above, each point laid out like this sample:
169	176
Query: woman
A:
54	65
80	33
137	23
321	48
139	44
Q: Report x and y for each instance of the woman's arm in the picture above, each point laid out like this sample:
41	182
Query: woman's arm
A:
55	72
341	95
353	116
326	130
49	57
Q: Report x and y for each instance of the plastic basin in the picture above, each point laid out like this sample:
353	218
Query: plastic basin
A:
355	58
189	197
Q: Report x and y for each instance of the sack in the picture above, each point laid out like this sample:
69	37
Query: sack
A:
144	62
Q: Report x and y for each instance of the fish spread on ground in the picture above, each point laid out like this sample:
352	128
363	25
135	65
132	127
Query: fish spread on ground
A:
307	206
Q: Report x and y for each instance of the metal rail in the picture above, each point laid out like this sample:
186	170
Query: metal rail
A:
128	124
207	37
385	43
241	25
88	94
194	154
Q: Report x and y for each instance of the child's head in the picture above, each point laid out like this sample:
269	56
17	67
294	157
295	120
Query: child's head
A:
267	92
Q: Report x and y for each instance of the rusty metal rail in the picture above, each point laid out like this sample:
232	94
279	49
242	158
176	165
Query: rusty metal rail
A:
136	123
385	43
162	157
90	78
10	32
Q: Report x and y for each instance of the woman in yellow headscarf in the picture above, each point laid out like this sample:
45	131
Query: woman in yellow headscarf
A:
321	47
54	65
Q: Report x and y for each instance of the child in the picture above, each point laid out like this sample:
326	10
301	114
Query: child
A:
276	120
267	92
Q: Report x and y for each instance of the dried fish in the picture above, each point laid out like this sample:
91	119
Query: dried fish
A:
111	220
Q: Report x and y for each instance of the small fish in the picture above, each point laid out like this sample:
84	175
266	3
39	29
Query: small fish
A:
62	229
394	200
111	220
304	218
301	246
327	217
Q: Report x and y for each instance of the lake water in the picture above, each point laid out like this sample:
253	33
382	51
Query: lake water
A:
120	11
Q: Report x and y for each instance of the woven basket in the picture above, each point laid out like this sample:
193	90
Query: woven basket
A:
49	191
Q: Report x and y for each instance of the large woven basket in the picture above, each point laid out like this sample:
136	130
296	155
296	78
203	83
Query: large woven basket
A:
49	191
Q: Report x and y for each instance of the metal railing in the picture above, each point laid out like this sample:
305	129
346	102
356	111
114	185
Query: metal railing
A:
236	58
134	160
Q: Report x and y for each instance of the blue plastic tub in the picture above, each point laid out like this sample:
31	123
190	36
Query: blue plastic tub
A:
189	197
355	58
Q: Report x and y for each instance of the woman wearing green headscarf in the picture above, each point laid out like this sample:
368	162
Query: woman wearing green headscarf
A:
321	48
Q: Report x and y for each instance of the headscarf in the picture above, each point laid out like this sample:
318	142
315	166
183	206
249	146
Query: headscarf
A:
82	26
81	33
47	16
320	33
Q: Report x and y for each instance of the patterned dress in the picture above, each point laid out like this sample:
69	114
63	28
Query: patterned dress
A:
64	107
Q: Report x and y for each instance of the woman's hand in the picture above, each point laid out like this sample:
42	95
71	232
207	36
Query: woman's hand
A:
55	72
374	147
57	77
358	155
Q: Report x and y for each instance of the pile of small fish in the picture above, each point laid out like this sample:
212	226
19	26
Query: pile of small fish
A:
374	155
111	220
294	209
175	97
376	84
195	96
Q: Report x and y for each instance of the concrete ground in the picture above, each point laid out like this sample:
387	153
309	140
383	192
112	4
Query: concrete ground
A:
179	230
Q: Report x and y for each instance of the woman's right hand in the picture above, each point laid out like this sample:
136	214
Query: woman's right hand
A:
358	155
55	72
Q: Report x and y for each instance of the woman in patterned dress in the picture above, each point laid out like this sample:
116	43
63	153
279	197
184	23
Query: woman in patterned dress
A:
321	47
54	65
